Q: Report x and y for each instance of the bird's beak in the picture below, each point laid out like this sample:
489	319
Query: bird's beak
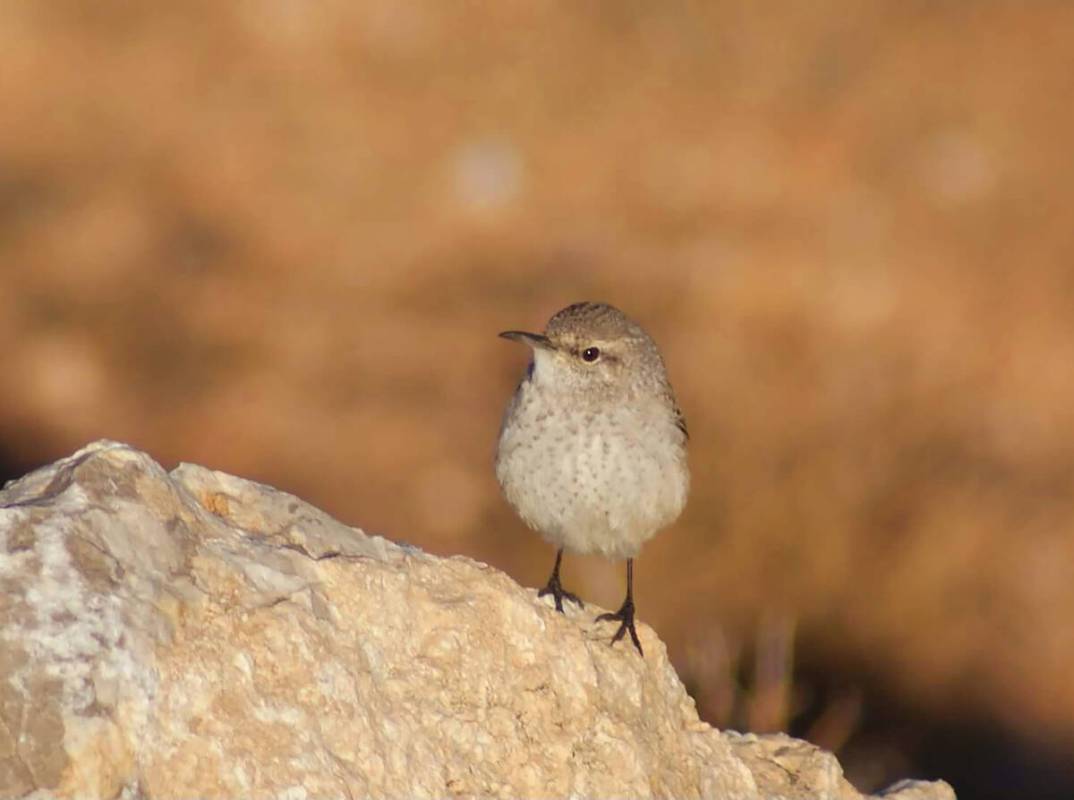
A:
534	340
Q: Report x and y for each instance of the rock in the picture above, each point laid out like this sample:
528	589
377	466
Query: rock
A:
195	634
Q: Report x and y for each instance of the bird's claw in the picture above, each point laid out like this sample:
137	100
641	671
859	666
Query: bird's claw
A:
625	617
559	593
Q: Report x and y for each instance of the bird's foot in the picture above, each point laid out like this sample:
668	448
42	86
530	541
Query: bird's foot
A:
625	617
559	593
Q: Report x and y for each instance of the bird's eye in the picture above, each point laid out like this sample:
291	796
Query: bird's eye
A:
590	354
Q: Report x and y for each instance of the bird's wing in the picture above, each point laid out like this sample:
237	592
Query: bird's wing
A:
680	422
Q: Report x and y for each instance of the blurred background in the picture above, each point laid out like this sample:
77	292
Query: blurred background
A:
278	238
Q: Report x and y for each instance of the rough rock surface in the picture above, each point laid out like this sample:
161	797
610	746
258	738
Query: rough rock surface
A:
195	634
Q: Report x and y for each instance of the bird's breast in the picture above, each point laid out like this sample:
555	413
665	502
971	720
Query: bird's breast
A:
594	480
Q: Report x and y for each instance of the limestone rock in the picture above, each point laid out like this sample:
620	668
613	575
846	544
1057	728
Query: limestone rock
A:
193	634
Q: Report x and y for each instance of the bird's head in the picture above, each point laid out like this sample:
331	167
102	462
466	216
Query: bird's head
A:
595	349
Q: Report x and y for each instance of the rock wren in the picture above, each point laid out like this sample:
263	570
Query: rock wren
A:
592	450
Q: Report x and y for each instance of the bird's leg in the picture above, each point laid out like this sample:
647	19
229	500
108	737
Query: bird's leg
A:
554	588
625	614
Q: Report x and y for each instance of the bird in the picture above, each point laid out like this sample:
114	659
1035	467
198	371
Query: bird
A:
592	447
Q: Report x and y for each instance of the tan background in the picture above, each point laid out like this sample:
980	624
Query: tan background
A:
278	238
